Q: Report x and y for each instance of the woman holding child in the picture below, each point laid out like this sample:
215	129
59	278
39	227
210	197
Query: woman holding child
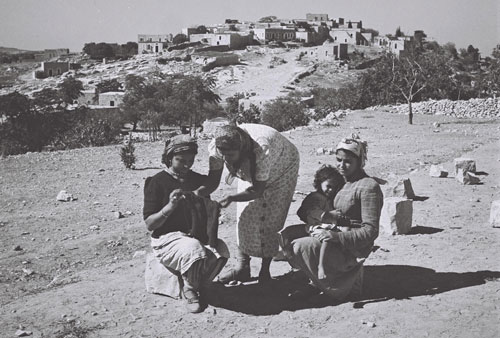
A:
337	268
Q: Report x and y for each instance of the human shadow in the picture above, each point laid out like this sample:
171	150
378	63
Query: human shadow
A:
420	198
422	230
381	283
147	168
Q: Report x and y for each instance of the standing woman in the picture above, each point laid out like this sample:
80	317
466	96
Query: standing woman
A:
359	203
266	164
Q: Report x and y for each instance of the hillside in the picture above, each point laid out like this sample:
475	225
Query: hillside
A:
72	269
261	70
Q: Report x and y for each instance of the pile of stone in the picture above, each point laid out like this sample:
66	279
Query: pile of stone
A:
473	108
332	119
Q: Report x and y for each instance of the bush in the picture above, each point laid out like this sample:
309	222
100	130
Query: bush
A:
127	154
284	113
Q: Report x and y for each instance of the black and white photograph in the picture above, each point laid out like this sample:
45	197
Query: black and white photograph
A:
253	169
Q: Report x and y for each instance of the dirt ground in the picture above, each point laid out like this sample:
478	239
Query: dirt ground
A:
72	269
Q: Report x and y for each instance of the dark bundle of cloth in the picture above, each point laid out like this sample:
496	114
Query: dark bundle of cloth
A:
204	215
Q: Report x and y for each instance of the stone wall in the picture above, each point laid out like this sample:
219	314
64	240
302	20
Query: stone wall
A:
473	108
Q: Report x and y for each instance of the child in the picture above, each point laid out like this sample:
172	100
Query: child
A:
318	207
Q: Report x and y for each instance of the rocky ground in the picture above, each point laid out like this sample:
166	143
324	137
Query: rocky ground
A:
73	269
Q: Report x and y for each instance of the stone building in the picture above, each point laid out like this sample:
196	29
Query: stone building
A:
87	98
332	51
232	40
274	34
48	54
54	68
153	43
111	99
316	17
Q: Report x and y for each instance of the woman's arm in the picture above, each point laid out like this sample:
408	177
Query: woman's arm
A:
156	220
211	183
253	192
371	199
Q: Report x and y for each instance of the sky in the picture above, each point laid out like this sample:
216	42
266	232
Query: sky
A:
44	24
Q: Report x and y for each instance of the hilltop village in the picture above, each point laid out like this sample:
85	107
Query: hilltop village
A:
208	50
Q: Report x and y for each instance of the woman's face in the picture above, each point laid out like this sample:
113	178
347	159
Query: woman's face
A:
182	162
330	187
230	156
347	163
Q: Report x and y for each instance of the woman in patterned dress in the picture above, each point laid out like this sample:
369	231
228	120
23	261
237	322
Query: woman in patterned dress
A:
266	164
360	203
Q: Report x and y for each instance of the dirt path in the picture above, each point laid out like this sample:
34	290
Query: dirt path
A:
440	281
255	75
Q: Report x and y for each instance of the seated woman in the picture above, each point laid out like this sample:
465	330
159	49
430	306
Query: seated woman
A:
358	204
170	213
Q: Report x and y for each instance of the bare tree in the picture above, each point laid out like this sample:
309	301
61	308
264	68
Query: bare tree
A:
409	78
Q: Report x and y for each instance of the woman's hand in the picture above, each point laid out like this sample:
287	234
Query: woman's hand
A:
175	197
224	203
325	235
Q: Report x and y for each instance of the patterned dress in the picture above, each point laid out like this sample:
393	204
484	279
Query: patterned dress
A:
277	162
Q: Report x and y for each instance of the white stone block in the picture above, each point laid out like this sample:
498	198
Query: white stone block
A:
495	214
396	216
160	280
466	164
399	188
467	178
437	171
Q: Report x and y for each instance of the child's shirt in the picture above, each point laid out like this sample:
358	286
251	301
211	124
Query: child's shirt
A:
312	209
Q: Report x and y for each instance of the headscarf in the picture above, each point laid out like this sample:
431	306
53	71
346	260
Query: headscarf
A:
356	146
231	137
181	143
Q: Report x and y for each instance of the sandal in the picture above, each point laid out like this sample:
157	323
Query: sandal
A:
192	301
235	275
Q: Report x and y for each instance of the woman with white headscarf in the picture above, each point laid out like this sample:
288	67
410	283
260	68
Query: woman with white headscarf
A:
360	201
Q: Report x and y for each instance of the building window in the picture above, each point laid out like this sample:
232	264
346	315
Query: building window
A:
111	103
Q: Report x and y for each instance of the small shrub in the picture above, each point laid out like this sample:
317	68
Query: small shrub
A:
284	113
127	154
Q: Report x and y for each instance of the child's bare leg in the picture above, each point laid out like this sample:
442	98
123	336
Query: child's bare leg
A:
322	259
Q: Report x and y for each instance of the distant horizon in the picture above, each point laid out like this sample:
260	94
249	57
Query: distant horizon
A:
37	25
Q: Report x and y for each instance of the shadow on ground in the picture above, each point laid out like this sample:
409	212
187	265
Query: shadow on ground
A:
381	283
422	230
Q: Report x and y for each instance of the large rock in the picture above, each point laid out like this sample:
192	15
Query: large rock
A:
64	196
400	187
396	217
466	164
160	280
437	171
467	178
495	214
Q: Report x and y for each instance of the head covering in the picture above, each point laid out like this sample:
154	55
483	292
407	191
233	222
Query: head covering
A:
231	137
356	146
181	143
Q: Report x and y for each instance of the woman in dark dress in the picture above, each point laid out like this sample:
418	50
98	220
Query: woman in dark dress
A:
168	214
